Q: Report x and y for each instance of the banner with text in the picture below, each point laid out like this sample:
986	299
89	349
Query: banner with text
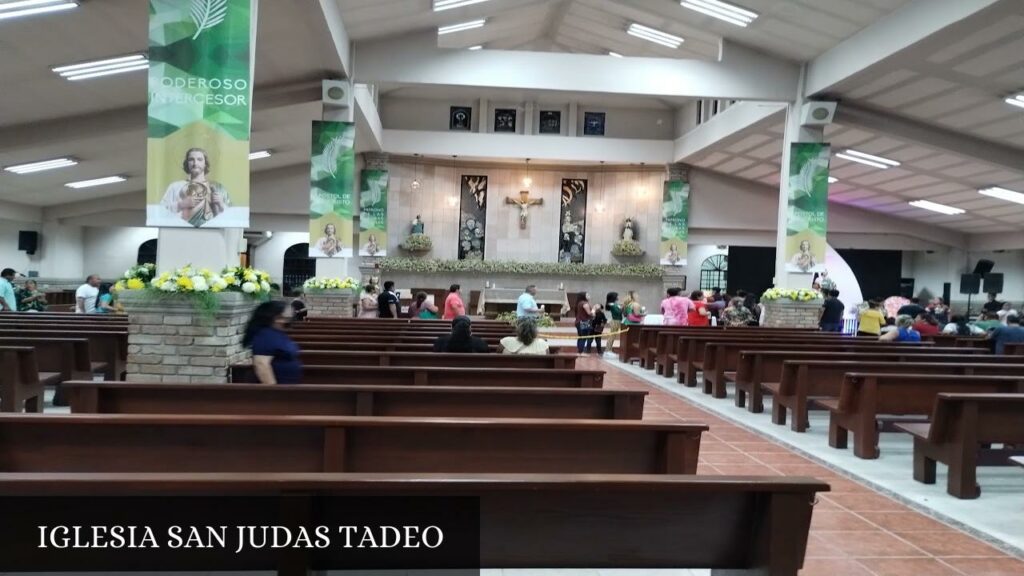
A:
331	181
807	218
200	106
373	213
572	230
675	226
473	218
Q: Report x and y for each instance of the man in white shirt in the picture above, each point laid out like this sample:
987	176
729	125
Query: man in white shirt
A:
527	304
8	303
86	295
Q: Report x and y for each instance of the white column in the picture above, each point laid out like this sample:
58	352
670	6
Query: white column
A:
528	118
212	248
794	133
338	267
572	120
483	123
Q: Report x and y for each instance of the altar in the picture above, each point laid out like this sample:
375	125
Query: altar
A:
494	301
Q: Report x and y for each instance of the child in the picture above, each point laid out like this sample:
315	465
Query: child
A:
597	326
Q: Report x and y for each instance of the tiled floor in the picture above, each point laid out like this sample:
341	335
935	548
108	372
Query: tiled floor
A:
854	530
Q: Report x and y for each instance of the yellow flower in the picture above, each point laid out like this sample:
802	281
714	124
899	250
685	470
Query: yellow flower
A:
185	283
135	284
215	288
118	286
250	277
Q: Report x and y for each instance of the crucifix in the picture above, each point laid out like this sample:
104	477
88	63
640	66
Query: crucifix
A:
524	202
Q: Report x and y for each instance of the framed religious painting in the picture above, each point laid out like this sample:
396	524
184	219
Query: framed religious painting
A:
550	122
505	120
593	123
459	118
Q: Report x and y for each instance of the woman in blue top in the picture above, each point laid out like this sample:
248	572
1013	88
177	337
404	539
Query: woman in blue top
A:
275	356
903	331
105	300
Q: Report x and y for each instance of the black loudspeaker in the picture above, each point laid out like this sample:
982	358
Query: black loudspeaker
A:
983	267
28	241
947	290
907	287
970	284
993	283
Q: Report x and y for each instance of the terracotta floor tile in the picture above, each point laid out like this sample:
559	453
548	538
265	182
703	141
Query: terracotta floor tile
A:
818	548
833	567
746	470
903	521
839	520
870	544
907	567
710	446
949	543
761	447
866	501
726	457
987	566
783	459
805	470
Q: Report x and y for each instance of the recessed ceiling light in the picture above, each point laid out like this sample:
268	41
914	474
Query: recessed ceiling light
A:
105	67
95	182
440	5
652	35
259	155
1017	100
29	7
832	179
1003	194
722	11
41	166
614	54
461	27
477	47
940	208
868	159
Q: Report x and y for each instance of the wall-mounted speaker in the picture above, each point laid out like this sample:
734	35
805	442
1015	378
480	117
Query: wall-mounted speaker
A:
993	283
817	113
970	284
983	267
28	241
337	93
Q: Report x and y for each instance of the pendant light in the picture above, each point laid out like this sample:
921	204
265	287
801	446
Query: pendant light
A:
415	184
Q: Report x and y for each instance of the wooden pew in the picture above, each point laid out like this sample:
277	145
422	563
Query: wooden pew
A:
177	443
68	357
960	341
758	366
806	380
732	525
961	424
1014	349
436	376
866	396
666	343
325	400
324	339
21	383
109	347
439	359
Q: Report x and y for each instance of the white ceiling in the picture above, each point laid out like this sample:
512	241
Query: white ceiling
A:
462	93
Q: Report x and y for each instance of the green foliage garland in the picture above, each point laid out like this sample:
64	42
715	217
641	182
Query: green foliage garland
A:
428	266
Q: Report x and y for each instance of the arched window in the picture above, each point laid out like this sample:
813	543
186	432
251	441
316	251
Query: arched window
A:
714	272
298	267
147	252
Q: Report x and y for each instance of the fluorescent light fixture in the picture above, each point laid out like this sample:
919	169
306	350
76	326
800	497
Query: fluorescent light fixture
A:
461	27
868	159
1017	100
30	7
96	182
652	35
105	67
614	54
1003	194
259	155
832	179
477	47
940	208
721	10
41	166
440	5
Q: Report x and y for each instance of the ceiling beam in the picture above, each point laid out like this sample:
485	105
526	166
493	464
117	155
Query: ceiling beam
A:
741	74
930	136
732	123
885	38
371	131
339	35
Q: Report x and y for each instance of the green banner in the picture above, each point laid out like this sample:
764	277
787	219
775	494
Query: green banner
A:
331	179
200	102
373	213
807	218
675	227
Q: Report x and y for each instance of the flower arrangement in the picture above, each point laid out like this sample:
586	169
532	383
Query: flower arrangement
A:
418	242
201	284
136	277
798	295
320	284
428	266
627	248
543	321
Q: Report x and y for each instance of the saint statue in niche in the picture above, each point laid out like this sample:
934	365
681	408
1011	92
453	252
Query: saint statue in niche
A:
628	233
417	225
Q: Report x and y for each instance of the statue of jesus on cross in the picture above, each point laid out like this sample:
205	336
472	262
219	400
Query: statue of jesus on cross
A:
524	202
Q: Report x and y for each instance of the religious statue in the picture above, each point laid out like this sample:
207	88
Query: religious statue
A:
628	233
524	202
673	256
329	244
198	199
371	248
803	260
417	225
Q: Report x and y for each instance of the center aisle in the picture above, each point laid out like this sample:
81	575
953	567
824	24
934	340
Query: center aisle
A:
855	531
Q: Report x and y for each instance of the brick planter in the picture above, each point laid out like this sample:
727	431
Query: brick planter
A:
170	341
337	303
790	313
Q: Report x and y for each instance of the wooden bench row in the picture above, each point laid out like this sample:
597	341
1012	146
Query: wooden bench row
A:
436	376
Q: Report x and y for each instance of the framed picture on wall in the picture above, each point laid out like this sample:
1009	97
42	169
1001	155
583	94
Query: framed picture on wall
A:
459	118
550	122
593	123
504	120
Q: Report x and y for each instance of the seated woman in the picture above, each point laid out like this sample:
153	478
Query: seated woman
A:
904	331
927	324
525	341
958	325
30	299
105	300
422	309
461	339
275	356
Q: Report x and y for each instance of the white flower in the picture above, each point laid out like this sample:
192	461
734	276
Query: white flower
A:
128	273
199	284
264	286
169	286
220	284
249	287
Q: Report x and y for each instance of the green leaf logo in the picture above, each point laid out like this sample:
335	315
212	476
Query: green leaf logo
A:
208	13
